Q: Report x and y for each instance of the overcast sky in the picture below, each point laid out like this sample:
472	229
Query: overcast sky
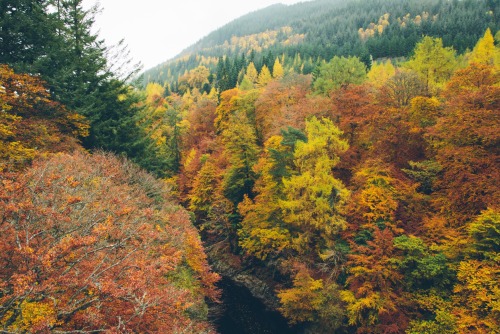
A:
158	30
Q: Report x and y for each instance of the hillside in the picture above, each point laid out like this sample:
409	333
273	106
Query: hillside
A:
348	198
324	28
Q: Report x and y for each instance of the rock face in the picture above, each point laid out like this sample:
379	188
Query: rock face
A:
258	288
230	266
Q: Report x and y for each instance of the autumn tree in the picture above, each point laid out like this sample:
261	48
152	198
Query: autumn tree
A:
225	108
31	122
207	201
485	51
466	141
278	71
380	72
264	77
263	232
339	73
128	258
355	109
314	198
312	300
433	62
277	106
401	88
374	286
477	291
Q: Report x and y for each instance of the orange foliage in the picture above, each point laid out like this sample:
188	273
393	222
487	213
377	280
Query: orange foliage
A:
31	123
466	139
276	109
105	232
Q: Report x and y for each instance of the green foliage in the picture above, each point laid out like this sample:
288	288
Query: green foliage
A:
283	158
444	323
485	234
423	269
305	32
425	173
433	62
339	73
240	143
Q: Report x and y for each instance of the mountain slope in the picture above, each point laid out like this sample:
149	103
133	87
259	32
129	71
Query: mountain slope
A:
324	28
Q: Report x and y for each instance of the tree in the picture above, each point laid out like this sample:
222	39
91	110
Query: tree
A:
381	72
485	52
421	268
433	62
279	105
304	300
339	73
277	69
465	139
264	77
263	233
477	291
28	34
31	123
241	145
56	40
203	190
401	88
226	107
106	232
374	286
314	198
251	73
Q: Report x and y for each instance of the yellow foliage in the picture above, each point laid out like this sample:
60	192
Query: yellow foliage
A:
380	73
477	297
154	92
485	52
379	203
303	300
251	73
34	317
264	77
277	69
364	310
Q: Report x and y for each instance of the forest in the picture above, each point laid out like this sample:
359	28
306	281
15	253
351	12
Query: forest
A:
314	31
360	188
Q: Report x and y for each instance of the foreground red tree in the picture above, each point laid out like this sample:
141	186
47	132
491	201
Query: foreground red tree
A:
90	243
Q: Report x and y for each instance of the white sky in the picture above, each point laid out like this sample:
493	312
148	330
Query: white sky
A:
157	30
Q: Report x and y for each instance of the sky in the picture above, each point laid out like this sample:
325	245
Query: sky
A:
158	30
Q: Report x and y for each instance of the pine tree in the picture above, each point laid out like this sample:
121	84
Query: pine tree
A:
264	77
277	69
485	52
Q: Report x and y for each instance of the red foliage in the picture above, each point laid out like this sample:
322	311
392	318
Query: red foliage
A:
97	243
467	143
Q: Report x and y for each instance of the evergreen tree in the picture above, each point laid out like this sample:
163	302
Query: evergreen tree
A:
27	34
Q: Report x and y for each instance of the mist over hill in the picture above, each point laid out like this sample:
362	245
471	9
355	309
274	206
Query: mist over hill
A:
319	30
